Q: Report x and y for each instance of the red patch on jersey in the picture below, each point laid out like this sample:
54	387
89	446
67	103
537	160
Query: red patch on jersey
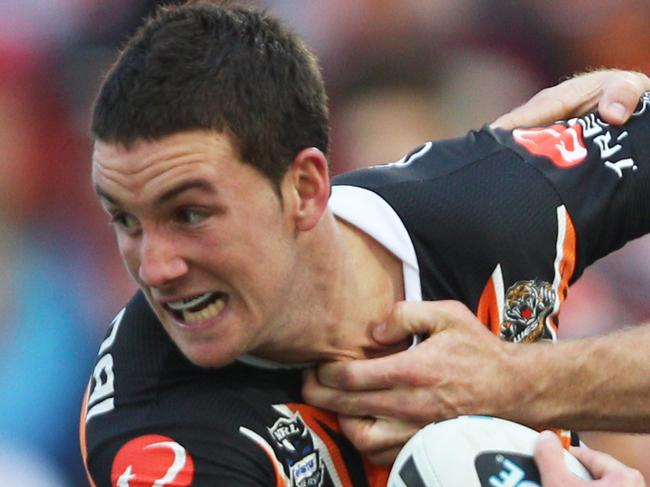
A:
563	145
152	460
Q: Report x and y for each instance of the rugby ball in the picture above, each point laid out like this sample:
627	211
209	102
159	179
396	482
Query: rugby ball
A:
472	451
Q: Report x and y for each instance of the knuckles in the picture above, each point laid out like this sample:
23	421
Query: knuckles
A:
627	477
636	478
358	431
343	377
399	313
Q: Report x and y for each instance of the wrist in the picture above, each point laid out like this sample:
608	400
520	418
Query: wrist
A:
530	396
554	385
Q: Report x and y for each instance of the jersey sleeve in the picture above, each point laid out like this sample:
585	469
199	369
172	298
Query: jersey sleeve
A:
600	172
500	219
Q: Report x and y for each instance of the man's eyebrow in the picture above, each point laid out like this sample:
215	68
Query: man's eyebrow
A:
104	195
167	195
172	193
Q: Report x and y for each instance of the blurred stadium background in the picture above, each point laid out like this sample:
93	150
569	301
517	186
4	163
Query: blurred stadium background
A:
398	72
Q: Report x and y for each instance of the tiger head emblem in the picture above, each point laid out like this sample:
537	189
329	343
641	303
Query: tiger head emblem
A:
527	307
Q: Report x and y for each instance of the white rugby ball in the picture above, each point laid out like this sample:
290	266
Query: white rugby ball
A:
472	451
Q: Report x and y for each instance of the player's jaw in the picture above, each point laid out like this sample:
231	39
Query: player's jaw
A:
207	326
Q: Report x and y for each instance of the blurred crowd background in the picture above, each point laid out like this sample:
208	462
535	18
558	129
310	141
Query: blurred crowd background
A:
398	73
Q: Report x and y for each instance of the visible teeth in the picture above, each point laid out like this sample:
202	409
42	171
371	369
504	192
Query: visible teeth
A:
213	309
191	303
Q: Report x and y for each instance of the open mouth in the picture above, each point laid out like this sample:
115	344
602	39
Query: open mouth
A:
199	307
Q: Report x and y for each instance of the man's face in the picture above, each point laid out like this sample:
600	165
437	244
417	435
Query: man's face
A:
205	237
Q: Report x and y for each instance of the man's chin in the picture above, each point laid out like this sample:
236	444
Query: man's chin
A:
208	358
209	343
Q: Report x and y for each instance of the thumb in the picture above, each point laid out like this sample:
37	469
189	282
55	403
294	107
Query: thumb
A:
549	456
621	96
410	318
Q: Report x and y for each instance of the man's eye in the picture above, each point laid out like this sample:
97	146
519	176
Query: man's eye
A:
189	215
124	220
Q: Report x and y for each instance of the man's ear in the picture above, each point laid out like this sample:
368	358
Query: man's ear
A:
306	187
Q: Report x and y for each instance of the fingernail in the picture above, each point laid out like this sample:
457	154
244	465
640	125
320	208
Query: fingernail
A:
378	330
547	435
617	110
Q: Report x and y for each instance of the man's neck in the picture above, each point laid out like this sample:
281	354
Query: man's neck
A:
350	283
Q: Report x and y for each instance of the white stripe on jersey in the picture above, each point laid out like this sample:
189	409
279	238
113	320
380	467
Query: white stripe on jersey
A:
370	213
559	255
499	292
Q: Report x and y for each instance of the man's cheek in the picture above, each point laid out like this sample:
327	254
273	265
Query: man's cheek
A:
131	261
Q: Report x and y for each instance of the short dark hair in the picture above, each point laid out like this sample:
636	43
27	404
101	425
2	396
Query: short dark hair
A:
208	65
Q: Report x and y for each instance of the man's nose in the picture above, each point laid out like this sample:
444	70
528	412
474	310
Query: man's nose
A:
160	260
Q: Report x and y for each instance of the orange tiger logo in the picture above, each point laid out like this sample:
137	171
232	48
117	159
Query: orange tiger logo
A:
528	305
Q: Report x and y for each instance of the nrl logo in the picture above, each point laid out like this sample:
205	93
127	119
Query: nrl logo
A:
290	434
527	307
295	449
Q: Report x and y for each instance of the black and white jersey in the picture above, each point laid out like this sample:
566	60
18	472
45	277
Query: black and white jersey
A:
502	221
